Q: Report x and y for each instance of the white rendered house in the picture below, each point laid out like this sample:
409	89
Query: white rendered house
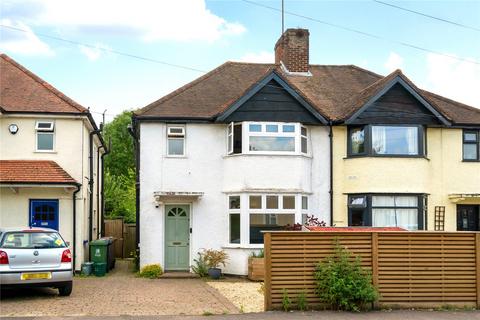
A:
233	153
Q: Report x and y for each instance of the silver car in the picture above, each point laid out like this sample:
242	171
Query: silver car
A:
35	257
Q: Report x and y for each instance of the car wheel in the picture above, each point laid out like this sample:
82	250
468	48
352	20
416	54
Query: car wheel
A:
66	290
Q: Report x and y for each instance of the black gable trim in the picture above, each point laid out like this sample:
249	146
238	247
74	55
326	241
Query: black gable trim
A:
272	99
398	103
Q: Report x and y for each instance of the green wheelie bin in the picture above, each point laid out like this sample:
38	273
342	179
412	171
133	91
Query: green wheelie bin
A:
98	255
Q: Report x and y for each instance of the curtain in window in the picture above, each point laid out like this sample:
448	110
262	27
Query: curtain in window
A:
412	140
384	218
379	139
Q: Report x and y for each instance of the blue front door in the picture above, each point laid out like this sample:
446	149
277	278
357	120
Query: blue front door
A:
44	214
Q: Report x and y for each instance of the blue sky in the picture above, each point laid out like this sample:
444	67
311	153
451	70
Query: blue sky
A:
203	35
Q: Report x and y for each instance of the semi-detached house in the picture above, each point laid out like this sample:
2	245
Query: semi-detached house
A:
251	147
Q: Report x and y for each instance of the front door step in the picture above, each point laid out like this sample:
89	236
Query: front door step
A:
179	275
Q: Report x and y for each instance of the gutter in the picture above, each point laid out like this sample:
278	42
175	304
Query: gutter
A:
98	190
330	138
74	212
133	130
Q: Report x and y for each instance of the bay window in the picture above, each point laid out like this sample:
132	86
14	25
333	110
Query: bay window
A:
263	212
471	145
267	138
386	140
393	210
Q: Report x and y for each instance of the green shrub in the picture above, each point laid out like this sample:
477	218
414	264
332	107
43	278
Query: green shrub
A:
151	271
302	303
286	302
201	266
342	283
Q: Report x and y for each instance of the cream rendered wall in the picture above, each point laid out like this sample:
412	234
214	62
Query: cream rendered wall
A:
441	173
206	168
70	152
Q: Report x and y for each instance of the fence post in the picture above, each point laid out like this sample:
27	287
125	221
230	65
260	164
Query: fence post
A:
375	262
477	266
268	271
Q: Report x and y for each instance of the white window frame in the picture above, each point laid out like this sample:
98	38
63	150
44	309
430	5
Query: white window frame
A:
45	131
176	136
245	213
234	211
246	134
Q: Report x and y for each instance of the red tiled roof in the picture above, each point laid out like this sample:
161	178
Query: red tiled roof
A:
23	91
354	229
335	91
33	172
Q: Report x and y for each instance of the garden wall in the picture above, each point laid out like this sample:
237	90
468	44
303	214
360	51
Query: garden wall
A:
410	269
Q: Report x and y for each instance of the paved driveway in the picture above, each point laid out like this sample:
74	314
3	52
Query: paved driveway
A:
119	293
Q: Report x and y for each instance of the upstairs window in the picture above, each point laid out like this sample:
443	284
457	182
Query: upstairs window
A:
390	141
267	138
176	141
45	131
471	145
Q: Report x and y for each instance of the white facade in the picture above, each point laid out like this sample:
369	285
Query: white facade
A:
71	152
208	170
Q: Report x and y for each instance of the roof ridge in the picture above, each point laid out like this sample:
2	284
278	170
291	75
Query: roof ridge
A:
45	84
181	89
367	71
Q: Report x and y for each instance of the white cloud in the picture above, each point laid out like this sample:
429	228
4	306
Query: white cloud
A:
94	53
455	79
394	62
260	57
181	20
24	43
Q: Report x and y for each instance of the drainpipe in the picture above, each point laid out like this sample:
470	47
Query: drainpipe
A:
74	204
90	184
98	190
102	187
132	129
330	136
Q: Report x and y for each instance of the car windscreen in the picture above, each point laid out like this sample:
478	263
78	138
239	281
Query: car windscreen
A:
32	240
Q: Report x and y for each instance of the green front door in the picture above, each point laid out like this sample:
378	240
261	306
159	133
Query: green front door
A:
177	237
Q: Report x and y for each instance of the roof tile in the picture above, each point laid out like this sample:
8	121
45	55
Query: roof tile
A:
33	171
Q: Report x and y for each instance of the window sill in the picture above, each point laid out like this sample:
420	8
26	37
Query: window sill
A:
242	246
386	156
45	151
268	154
465	160
175	157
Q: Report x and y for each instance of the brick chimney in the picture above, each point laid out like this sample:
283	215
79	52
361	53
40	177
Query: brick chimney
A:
292	50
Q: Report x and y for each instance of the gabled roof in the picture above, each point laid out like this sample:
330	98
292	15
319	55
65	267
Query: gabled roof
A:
272	75
33	172
377	89
24	92
336	92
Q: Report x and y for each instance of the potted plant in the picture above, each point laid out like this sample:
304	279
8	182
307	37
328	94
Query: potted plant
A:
256	266
215	258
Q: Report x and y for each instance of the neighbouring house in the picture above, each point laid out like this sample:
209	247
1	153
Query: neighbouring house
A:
250	147
51	160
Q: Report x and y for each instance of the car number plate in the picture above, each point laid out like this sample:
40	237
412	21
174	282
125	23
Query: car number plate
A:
35	276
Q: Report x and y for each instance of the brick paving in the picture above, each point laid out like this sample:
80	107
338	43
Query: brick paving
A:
119	293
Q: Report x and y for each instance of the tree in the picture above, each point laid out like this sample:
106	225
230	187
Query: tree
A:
122	156
120	169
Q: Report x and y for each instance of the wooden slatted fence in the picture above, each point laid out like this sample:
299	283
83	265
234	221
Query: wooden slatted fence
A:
410	269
